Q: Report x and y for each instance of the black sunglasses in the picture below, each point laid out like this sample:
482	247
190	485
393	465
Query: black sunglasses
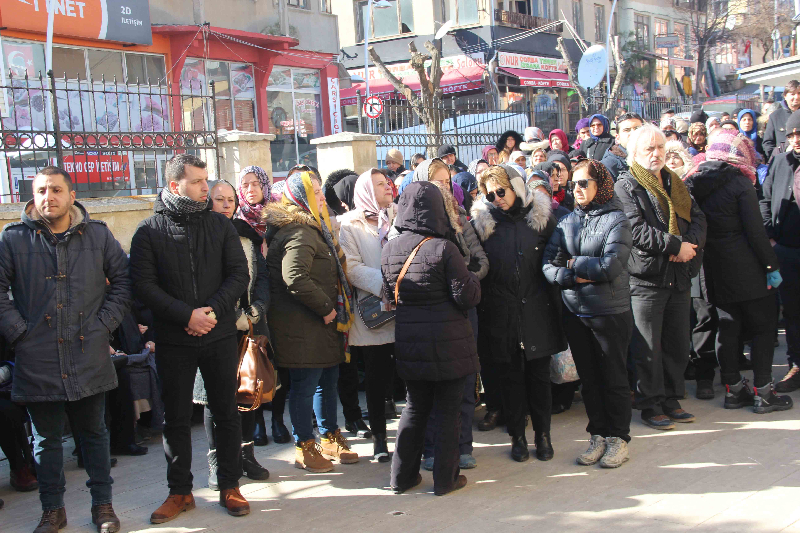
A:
501	193
583	184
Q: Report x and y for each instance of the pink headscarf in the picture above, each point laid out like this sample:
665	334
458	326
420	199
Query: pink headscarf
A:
364	199
561	135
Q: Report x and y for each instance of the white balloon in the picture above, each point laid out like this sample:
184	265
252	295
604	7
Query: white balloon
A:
592	68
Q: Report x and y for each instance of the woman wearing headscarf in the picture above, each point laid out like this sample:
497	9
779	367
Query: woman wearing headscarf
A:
564	164
587	257
252	307
600	138
344	189
464	236
335	204
677	159
740	269
508	142
748	125
469	185
311	315
476	167
489	154
364	232
582	131
558	140
519	314
435	346
698	138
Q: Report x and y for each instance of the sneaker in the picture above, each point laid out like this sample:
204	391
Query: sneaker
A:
767	401
380	448
738	396
596	450
790	382
616	453
335	446
104	517
358	428
705	389
427	464
212	470
467	462
52	521
308	456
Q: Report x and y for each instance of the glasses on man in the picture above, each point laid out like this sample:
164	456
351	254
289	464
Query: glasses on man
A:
500	193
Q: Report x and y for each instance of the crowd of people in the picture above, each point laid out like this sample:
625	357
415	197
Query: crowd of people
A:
644	255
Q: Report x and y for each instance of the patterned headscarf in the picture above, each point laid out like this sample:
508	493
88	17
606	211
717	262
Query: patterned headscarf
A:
300	192
251	213
364	199
694	130
735	148
277	191
605	183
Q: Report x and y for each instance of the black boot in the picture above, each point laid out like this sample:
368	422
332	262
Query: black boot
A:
212	470
705	389
767	401
280	434
390	410
738	395
490	421
380	449
519	449
260	433
358	428
544	447
250	466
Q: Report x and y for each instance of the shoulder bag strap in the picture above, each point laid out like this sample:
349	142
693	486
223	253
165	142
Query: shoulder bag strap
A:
405	268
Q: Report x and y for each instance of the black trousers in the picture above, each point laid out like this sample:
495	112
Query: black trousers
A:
248	422
759	316
526	390
13	438
279	400
122	422
423	397
490	378
379	366
599	347
218	363
704	338
789	259
348	386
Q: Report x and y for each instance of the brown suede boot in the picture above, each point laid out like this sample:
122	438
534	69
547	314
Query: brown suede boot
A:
334	446
52	521
308	455
174	505
234	502
104	517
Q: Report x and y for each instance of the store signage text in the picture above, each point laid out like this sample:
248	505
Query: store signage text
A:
546	64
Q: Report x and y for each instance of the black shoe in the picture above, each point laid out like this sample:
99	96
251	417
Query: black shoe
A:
657	420
380	449
358	428
705	389
401	490
390	410
490	421
260	434
131	449
460	483
280	434
212	470
519	449
80	461
250	467
544	447
790	382
679	415
261	440
557	409
767	401
737	400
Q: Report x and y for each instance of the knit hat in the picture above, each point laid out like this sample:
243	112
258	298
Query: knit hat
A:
515	155
540	179
466	181
561	157
446	149
582	123
736	149
395	156
699	116
793	123
682	126
710	121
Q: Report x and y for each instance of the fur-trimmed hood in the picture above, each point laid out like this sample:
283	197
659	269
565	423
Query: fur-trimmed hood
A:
278	215
484	215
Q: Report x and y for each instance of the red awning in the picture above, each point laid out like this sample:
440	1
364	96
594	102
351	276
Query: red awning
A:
453	81
538	78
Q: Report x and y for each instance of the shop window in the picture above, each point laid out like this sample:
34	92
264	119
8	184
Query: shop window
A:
302	4
461	12
295	116
395	20
145	70
325	6
641	24
69	63
577	16
599	23
105	65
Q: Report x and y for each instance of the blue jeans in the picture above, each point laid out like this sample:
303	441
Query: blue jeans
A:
313	390
89	428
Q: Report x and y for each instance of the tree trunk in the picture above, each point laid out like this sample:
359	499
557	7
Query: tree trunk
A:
701	59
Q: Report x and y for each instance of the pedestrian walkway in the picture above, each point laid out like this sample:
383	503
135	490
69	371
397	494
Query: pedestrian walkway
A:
730	471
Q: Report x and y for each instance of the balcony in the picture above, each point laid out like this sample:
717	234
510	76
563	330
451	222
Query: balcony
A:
524	22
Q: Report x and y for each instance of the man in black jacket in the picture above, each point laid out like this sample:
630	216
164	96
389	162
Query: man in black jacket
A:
188	267
775	134
781	214
669	232
615	159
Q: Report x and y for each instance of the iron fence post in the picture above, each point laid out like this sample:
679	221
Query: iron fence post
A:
358	105
455	122
213	123
51	79
530	115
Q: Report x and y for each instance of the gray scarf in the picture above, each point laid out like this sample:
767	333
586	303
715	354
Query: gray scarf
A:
182	205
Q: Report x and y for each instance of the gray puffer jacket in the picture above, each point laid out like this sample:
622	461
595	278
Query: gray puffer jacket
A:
62	314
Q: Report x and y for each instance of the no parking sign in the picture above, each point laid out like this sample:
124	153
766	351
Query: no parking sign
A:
373	107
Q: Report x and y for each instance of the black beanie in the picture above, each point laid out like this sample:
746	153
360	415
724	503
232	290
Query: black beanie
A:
446	149
699	116
561	157
793	123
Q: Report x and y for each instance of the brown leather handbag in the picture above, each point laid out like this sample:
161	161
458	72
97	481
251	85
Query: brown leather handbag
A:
256	375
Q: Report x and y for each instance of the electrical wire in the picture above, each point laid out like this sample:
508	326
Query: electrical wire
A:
181	56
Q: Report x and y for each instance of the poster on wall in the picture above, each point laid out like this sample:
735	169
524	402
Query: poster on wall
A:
244	83
193	77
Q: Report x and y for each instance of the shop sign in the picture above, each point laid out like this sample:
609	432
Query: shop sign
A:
335	105
546	64
96	167
401	70
668	41
126	21
544	83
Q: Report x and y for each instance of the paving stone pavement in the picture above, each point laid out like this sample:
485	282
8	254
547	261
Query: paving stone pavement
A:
729	471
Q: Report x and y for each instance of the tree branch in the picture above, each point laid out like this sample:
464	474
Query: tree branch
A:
572	73
622	68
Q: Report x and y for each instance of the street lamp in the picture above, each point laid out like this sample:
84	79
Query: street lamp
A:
378	4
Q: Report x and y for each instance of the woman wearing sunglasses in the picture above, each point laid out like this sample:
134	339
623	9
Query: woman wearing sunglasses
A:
587	257
519	314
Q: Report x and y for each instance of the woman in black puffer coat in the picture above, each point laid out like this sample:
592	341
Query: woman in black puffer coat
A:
737	270
435	348
587	257
519	322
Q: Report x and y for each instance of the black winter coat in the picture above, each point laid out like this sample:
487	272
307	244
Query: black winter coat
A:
596	148
433	335
599	239
615	160
519	310
649	263
182	262
737	255
775	134
777	194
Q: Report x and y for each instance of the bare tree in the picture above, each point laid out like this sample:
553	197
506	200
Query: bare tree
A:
428	104
583	95
708	22
756	20
572	72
